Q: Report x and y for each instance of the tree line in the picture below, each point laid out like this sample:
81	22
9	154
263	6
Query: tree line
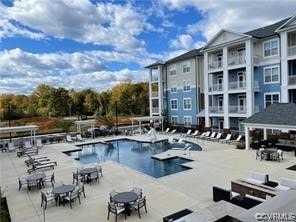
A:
46	101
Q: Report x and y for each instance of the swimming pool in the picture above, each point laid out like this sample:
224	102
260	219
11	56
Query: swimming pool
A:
134	154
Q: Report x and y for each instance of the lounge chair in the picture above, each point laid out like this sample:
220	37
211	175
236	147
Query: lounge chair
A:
166	131
43	166
257	178
11	147
28	145
39	143
204	135
211	137
286	184
173	131
79	138
227	138
69	139
216	138
194	134
236	140
187	134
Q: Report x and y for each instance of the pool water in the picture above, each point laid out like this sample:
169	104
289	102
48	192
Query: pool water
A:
134	154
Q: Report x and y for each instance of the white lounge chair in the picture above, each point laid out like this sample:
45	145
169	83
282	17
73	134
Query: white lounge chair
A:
217	137
28	145
227	138
188	133
236	140
69	139
194	134
212	136
166	131
39	143
204	135
79	137
11	147
173	131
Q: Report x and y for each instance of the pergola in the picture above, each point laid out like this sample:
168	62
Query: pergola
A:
279	116
91	123
14	129
145	119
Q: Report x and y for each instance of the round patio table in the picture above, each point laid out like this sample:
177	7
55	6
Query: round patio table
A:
60	190
87	171
36	177
125	198
269	153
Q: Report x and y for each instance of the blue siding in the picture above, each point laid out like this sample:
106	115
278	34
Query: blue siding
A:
264	88
180	95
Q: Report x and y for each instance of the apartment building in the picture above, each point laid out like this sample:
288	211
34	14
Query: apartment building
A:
242	74
176	89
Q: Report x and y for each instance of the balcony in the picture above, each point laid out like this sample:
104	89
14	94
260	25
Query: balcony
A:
215	65
292	50
292	80
216	109
237	60
236	85
215	88
154	94
155	109
237	109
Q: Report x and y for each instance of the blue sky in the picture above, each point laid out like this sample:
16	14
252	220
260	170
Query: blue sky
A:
96	44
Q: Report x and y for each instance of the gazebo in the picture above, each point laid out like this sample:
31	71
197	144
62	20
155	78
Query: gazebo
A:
26	128
145	119
90	122
279	116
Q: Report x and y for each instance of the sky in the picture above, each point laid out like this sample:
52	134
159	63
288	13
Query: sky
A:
92	44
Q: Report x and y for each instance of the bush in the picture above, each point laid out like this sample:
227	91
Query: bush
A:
241	145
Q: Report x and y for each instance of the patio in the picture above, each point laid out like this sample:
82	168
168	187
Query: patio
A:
218	164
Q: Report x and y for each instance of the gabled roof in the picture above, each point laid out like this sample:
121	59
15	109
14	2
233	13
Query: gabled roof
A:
155	64
275	114
283	26
187	55
219	33
267	31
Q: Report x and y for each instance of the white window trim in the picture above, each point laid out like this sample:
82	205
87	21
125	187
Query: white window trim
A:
172	68
174	85
190	103
271	67
187	63
190	117
271	93
171	104
189	85
174	116
278	50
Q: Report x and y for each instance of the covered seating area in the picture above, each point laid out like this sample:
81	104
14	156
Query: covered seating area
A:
278	116
91	123
150	119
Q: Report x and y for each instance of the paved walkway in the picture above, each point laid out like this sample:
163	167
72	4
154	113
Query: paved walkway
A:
217	164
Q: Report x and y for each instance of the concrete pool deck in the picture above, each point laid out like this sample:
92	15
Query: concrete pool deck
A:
217	164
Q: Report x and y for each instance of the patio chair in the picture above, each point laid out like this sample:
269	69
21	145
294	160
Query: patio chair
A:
166	131
32	183
69	139
79	138
194	134
216	138
139	204
11	147
76	177
173	131
28	145
211	136
81	189
49	179
112	194
113	208
239	137
205	135
99	169
227	138
138	191
259	153
22	181
39	143
187	134
280	155
94	176
47	197
73	196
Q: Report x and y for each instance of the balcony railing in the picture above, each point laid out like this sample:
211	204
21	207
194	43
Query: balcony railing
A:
216	109
215	87
237	85
237	109
154	94
215	65
291	50
292	80
155	109
237	60
154	78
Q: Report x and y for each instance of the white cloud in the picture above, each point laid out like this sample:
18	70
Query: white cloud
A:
21	71
240	16
186	42
110	24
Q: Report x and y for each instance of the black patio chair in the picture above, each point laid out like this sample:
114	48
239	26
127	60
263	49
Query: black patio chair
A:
22	181
47	197
81	189
139	204
49	179
113	208
76	177
73	196
93	176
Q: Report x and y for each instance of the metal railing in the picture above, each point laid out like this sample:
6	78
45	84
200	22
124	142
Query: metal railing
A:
292	80
155	109
237	60
215	87
237	85
237	109
215	65
154	94
216	109
291	50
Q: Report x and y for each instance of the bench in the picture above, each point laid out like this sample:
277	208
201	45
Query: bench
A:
177	215
43	166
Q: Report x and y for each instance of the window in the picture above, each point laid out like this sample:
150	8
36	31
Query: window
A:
271	74
186	86
186	67
187	121
271	48
271	98
187	104
174	87
174	120
174	104
172	70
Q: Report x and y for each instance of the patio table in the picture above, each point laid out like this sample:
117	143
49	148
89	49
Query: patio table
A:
125	198
36	177
61	191
87	171
269	153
